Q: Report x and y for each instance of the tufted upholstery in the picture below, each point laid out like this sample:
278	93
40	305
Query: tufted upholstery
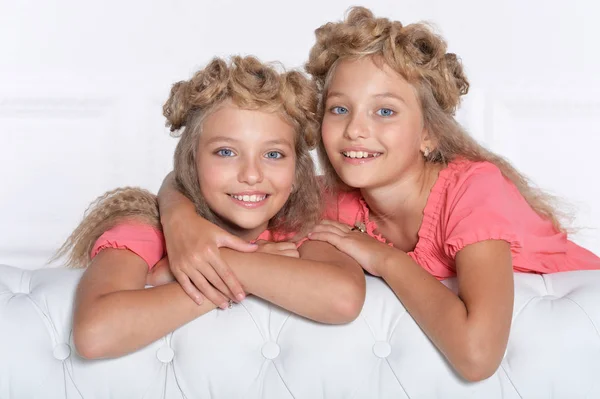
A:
259	351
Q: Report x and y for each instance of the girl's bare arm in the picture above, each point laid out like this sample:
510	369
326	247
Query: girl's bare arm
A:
115	315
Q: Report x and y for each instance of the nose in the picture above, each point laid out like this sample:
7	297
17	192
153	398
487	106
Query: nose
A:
357	127
250	171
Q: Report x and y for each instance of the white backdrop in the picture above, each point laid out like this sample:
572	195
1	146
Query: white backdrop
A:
82	86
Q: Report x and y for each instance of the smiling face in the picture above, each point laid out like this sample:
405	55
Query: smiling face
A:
373	128
246	167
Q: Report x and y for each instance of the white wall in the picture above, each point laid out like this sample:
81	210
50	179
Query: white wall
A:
82	85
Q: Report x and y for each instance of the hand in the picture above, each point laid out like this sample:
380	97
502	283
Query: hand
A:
193	246
367	251
278	248
160	274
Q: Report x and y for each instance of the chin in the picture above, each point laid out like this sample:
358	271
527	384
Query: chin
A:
356	180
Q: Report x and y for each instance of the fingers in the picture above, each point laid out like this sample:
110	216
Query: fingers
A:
293	254
285	246
188	287
208	290
233	242
329	228
213	278
230	284
327	236
341	226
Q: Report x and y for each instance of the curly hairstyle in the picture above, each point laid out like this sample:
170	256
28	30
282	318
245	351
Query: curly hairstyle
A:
419	56
249	84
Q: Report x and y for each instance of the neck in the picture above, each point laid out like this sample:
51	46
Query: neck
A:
403	199
245	234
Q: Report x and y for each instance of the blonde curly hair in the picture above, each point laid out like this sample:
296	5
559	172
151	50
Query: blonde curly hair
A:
419	56
249	84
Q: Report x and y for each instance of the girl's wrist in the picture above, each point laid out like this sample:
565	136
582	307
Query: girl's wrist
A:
176	213
392	261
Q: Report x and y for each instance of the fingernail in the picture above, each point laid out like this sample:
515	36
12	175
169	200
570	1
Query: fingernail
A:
224	305
198	300
240	297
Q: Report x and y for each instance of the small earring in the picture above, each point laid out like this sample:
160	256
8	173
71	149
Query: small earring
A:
426	152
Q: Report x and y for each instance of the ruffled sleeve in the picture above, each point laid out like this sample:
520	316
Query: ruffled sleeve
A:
482	205
144	240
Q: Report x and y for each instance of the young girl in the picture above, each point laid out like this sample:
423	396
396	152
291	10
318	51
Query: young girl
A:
418	199
243	160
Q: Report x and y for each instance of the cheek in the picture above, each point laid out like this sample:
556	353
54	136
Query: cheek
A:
329	133
283	176
211	177
403	138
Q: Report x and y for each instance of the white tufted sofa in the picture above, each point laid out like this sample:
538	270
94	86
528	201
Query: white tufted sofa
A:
259	351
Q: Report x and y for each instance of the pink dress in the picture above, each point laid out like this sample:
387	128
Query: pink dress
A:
472	202
149	243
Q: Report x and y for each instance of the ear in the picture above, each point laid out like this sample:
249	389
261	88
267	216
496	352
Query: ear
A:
427	143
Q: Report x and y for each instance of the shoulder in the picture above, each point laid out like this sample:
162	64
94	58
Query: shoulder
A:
482	204
475	183
465	173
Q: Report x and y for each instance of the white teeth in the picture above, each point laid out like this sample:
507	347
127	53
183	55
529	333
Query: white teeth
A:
249	198
360	154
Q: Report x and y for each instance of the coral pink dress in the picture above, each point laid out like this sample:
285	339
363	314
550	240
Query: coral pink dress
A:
472	202
149	243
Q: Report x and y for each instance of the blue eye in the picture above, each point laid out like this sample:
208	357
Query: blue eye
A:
274	155
386	112
225	152
339	110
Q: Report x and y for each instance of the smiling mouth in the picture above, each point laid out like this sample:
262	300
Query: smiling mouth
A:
249	198
360	154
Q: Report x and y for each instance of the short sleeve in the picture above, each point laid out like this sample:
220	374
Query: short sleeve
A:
482	205
144	240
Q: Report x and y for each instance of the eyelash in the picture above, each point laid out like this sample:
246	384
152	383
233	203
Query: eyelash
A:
280	155
335	110
220	153
387	109
332	110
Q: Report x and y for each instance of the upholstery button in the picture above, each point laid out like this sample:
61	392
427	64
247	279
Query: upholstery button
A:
61	352
165	354
270	350
382	349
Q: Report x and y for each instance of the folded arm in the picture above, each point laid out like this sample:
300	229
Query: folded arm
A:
115	315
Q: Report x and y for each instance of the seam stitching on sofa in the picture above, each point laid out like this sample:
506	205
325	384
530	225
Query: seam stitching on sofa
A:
397	379
282	380
282	325
68	372
511	381
177	382
518	312
585	313
50	327
254	321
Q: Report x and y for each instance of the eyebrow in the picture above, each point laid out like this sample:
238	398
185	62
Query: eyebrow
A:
221	138
231	140
390	95
387	94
